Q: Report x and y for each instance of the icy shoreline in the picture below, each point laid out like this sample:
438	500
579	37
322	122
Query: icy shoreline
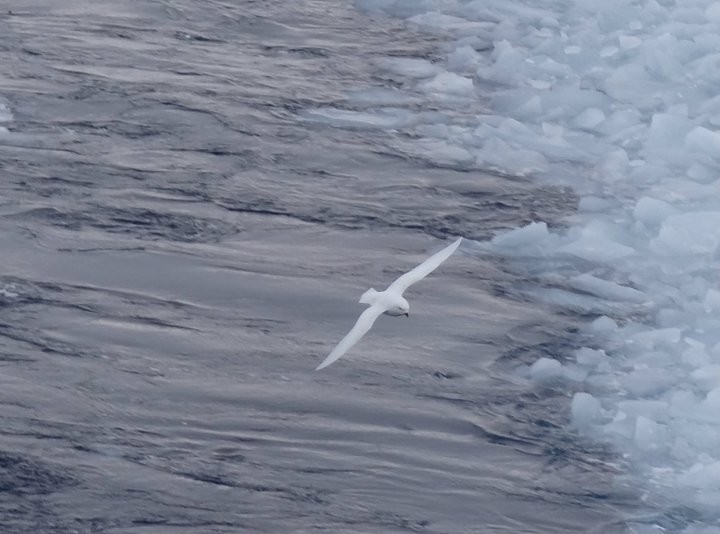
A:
619	102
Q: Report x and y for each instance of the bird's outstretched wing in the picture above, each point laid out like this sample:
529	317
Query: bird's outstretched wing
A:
424	269
362	325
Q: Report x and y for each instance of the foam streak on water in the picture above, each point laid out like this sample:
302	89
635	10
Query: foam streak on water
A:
619	101
5	116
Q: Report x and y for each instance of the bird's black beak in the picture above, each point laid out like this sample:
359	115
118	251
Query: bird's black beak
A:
407	314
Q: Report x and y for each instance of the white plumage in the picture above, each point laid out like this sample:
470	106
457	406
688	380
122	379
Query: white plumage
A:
390	302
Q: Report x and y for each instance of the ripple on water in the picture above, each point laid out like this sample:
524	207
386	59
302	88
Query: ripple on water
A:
139	223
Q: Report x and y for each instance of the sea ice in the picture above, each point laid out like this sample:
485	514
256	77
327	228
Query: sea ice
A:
463	59
531	240
442	153
712	301
590	118
689	233
651	211
604	324
596	243
618	101
704	142
449	84
606	289
585	410
499	155
590	357
546	371
5	115
649	435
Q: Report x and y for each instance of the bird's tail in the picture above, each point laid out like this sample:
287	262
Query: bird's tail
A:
368	297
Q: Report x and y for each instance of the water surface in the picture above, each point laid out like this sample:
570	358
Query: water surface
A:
182	246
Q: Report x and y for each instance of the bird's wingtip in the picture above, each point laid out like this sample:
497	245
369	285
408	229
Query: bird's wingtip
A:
455	244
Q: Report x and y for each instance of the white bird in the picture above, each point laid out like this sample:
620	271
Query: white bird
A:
389	301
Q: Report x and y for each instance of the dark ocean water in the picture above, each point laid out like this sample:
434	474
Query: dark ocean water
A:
180	249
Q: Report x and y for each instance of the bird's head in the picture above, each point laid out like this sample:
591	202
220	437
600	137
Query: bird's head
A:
401	308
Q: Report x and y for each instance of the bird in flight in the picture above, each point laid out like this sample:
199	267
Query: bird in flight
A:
390	302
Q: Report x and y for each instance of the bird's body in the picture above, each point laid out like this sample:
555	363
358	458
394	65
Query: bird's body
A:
393	302
390	302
